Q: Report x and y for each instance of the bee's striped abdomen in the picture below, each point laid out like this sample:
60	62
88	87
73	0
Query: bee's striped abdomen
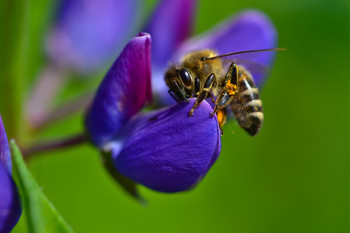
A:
247	105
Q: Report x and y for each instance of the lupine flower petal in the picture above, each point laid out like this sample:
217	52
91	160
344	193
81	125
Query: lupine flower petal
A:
123	92
88	32
246	31
5	155
170	24
10	207
167	150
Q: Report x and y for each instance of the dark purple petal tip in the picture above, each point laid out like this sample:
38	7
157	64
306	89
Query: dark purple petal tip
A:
167	150
125	89
10	205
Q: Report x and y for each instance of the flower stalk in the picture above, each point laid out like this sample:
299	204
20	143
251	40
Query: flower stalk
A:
55	144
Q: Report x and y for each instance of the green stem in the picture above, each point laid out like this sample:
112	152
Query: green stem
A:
13	60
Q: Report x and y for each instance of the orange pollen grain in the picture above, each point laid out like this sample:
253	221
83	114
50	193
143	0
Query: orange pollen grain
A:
230	88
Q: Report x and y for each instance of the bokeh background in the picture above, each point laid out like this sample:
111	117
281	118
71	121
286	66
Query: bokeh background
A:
292	178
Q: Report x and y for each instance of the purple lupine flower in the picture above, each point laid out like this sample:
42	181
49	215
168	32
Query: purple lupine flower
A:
10	205
87	33
157	149
165	149
170	28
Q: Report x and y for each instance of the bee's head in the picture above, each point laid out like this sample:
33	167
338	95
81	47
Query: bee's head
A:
180	82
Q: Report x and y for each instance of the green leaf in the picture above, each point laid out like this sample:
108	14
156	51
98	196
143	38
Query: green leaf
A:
42	216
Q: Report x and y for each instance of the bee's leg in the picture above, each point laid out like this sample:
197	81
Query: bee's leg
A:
231	75
180	95
212	97
171	93
216	109
204	93
221	116
197	87
230	88
222	101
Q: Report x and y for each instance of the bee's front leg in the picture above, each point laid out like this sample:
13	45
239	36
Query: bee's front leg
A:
171	93
177	93
204	92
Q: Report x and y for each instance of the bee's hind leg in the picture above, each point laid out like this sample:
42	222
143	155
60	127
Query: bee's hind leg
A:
230	88
221	116
204	92
222	101
231	75
220	109
216	109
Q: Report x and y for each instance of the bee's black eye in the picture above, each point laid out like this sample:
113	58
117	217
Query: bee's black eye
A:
185	76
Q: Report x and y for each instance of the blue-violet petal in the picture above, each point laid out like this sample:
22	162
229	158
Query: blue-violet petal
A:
10	205
125	89
167	150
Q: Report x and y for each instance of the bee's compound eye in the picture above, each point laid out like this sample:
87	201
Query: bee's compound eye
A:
185	76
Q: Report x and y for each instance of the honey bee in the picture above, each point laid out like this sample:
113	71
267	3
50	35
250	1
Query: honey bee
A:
201	74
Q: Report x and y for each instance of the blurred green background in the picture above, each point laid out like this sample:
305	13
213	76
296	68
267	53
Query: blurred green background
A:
293	177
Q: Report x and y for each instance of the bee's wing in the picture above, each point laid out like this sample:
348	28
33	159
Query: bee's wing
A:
254	67
249	30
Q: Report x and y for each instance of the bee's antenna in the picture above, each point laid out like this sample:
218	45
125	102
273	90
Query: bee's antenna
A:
240	52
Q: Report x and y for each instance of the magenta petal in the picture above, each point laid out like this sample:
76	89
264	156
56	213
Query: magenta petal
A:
246	31
125	89
167	150
10	205
87	33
